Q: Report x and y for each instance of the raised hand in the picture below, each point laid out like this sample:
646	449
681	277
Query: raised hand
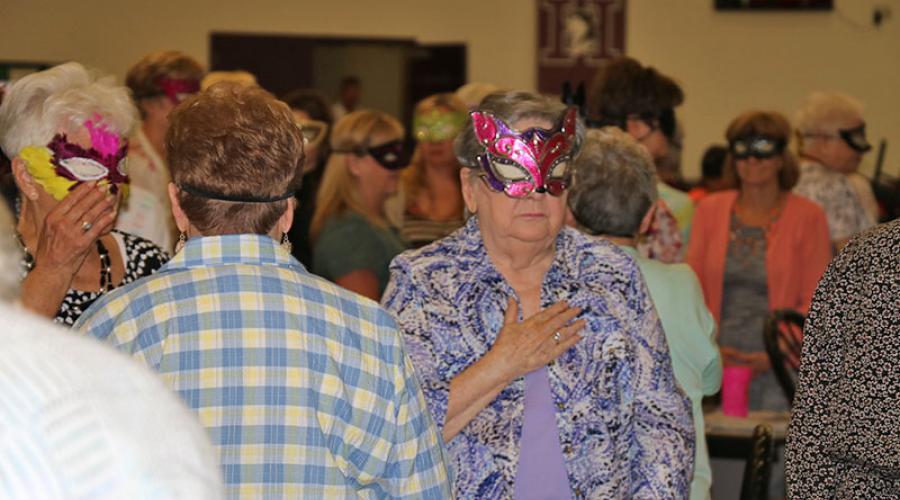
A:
71	228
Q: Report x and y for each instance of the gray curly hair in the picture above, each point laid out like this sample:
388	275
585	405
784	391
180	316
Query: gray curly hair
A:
613	185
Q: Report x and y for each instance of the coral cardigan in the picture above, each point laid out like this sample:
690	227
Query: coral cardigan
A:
797	252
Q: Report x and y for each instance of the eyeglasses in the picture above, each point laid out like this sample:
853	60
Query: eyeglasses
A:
757	146
854	137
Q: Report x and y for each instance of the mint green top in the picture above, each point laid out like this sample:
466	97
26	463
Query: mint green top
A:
682	207
349	242
690	332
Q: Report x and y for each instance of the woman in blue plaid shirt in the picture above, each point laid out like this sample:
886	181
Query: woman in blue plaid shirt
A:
303	386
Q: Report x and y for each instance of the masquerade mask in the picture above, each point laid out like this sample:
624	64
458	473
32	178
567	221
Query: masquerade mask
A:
61	165
177	90
391	155
757	146
856	138
520	163
438	125
314	132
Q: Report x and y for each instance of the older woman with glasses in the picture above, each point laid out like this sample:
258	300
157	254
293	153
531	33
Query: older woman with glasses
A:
66	132
541	355
832	135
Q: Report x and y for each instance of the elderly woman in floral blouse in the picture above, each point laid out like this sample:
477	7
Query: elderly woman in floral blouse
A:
541	355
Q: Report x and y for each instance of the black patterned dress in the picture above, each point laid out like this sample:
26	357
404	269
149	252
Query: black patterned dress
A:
844	436
141	258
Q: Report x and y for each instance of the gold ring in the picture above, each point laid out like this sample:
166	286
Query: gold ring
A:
556	337
86	226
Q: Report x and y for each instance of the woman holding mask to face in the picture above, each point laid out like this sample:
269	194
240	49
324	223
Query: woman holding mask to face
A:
65	131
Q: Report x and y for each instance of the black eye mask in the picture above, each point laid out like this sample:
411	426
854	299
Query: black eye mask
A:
856	138
390	155
757	146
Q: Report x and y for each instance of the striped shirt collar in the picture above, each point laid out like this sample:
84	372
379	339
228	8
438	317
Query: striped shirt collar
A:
247	249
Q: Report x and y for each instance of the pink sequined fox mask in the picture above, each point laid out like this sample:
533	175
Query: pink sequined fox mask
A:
519	163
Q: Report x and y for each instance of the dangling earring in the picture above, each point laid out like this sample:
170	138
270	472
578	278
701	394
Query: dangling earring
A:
286	243
182	239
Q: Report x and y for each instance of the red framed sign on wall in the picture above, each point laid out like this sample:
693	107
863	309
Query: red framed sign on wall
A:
575	37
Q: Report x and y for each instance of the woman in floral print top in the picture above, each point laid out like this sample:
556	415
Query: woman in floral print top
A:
578	398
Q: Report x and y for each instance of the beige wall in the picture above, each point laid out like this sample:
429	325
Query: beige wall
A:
730	62
726	62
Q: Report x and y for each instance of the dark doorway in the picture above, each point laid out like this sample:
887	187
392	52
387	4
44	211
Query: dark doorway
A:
395	73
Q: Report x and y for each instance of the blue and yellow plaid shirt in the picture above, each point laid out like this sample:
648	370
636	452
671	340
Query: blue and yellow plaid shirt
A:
304	387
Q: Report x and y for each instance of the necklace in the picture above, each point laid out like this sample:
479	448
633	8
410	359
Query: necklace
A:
770	217
746	238
105	263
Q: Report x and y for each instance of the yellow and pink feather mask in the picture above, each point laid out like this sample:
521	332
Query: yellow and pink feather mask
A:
61	165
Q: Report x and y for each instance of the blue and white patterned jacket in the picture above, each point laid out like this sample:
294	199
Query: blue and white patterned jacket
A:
625	427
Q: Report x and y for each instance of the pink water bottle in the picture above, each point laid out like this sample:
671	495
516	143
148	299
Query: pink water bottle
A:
735	390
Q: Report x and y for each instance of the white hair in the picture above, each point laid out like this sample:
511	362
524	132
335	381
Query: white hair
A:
10	257
38	106
826	113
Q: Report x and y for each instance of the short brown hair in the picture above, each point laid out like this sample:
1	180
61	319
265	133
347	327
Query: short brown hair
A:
143	77
237	141
769	123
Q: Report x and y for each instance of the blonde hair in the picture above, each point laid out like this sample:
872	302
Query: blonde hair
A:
471	94
826	113
241	77
414	177
338	191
